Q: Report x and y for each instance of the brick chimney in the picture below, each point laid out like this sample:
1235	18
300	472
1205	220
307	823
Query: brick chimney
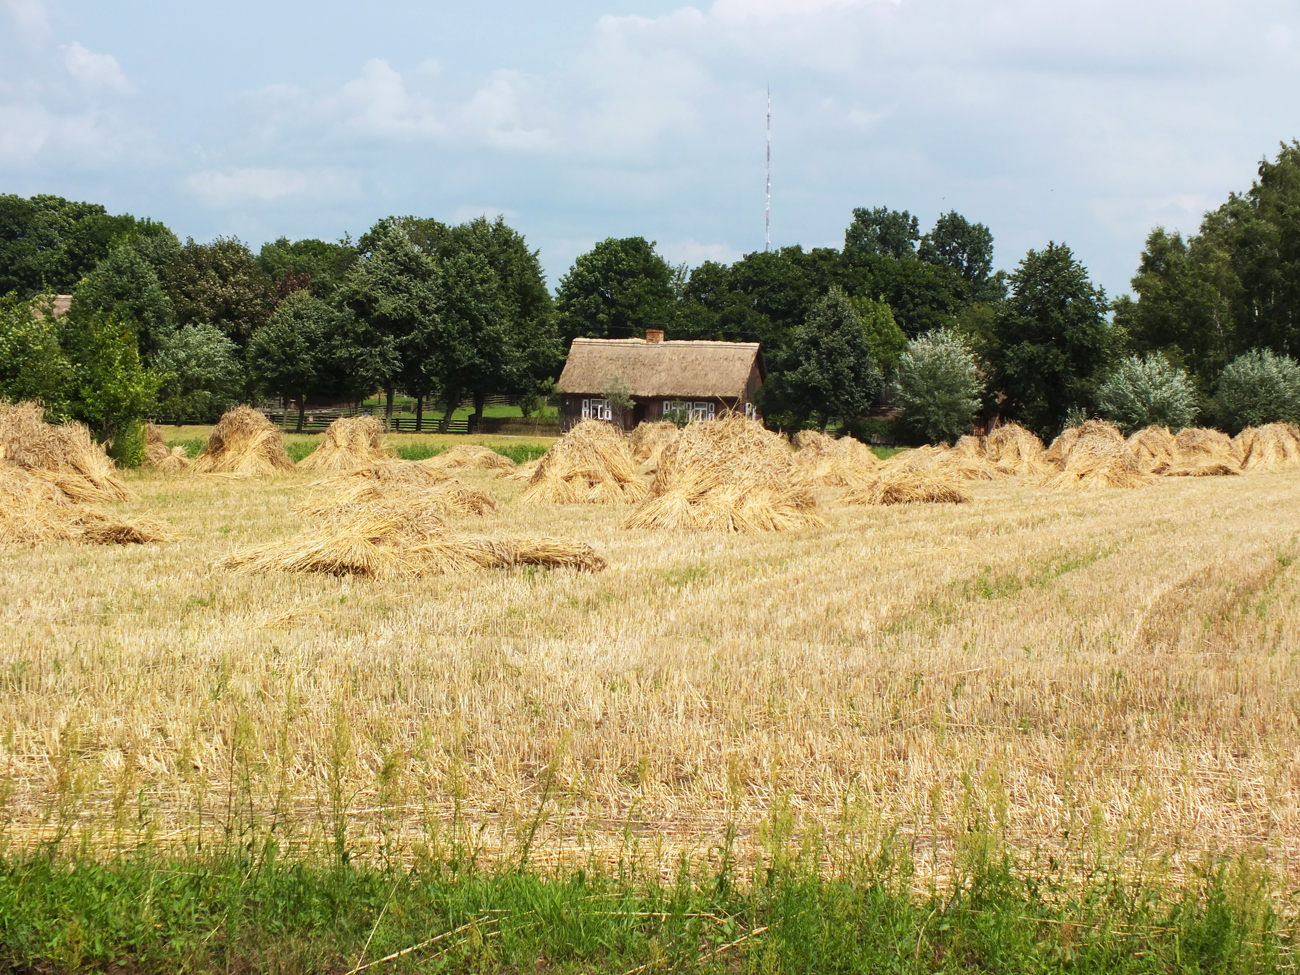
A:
654	336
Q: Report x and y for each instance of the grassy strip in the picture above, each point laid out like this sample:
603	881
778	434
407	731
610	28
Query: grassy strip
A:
193	446
149	915
298	449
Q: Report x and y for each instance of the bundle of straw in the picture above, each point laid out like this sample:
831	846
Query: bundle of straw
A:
1200	452
65	455
909	487
823	460
470	457
48	476
727	475
244	443
1015	452
449	497
1154	447
1274	447
158	456
648	441
396	542
1094	455
348	443
591	464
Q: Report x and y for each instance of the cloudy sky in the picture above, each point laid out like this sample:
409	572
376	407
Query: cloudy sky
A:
1084	121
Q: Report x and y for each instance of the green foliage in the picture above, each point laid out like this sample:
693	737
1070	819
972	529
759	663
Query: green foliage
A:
535	399
1259	387
826	371
289	356
48	243
531	348
219	284
886	340
110	387
125	284
33	365
1050	340
467	344
1233	287
939	386
619	395
315	264
884	232
391	300
1145	390
618	289
201	374
127	446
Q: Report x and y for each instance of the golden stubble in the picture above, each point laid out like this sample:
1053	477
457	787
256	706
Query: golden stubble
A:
1058	665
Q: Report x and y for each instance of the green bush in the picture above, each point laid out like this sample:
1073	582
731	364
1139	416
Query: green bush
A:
127	447
1142	391
1258	388
939	386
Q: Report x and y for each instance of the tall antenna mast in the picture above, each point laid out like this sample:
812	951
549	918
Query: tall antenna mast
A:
767	217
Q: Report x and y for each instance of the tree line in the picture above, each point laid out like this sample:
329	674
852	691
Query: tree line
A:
897	327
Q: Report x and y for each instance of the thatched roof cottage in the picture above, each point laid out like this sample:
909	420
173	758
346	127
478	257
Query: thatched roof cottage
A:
703	379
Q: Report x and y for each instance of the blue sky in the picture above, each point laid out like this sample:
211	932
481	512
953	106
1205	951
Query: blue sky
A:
1084	121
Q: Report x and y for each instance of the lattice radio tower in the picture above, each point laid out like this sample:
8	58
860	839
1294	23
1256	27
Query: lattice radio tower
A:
767	216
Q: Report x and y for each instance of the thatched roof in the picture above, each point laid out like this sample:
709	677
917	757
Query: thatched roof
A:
58	307
654	369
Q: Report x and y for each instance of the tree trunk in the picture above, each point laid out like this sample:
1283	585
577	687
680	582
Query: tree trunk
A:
449	407
419	413
302	409
479	399
388	408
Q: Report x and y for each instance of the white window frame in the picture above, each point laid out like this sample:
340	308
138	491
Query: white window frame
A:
586	409
701	411
596	409
749	411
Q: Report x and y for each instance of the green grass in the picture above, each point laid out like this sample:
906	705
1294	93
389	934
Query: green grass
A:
140	914
298	449
884	453
193	447
418	451
521	453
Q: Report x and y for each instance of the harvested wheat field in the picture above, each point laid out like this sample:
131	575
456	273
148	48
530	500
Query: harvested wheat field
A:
591	464
244	443
1112	667
348	443
727	475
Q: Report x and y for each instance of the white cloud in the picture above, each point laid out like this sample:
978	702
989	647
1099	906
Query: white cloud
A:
267	185
378	103
31	134
95	71
32	20
694	253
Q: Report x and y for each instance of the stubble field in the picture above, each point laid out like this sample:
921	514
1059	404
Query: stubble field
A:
1073	671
